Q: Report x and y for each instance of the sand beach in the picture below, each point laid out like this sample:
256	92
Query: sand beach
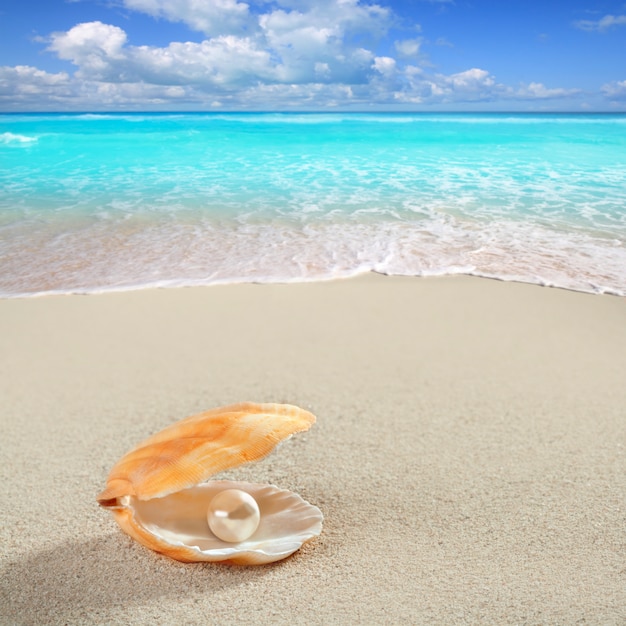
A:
469	454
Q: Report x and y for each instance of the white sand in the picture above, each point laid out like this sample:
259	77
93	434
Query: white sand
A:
469	454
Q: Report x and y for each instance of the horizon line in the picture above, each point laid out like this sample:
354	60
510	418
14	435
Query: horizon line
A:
306	111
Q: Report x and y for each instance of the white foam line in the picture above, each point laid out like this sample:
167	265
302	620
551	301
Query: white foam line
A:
347	274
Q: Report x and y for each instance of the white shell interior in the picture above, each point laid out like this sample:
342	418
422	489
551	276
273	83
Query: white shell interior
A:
287	521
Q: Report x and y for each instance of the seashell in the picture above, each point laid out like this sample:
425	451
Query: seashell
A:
158	495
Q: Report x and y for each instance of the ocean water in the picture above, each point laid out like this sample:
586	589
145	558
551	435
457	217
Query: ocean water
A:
91	203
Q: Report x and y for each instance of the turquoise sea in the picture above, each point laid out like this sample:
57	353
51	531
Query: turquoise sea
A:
92	203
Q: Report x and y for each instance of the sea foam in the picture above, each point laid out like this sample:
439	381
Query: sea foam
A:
13	138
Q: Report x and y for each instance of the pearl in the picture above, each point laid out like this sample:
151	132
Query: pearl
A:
233	515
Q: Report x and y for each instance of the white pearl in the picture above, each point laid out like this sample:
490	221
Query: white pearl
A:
233	515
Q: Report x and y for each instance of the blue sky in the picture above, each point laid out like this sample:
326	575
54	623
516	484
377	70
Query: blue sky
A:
386	55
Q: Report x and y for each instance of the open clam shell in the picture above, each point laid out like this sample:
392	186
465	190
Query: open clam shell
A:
158	495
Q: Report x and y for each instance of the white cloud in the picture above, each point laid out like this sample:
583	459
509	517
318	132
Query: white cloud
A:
30	87
112	95
385	65
322	32
93	46
24	82
471	85
473	80
88	38
615	90
322	70
540	91
608	21
300	42
474	85
212	17
225	62
408	47
10	76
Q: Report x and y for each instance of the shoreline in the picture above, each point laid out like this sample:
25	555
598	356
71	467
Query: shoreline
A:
199	284
468	454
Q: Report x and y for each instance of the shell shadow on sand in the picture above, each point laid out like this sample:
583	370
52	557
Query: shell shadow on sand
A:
88	580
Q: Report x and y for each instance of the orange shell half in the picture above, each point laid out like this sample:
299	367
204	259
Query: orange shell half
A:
188	452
